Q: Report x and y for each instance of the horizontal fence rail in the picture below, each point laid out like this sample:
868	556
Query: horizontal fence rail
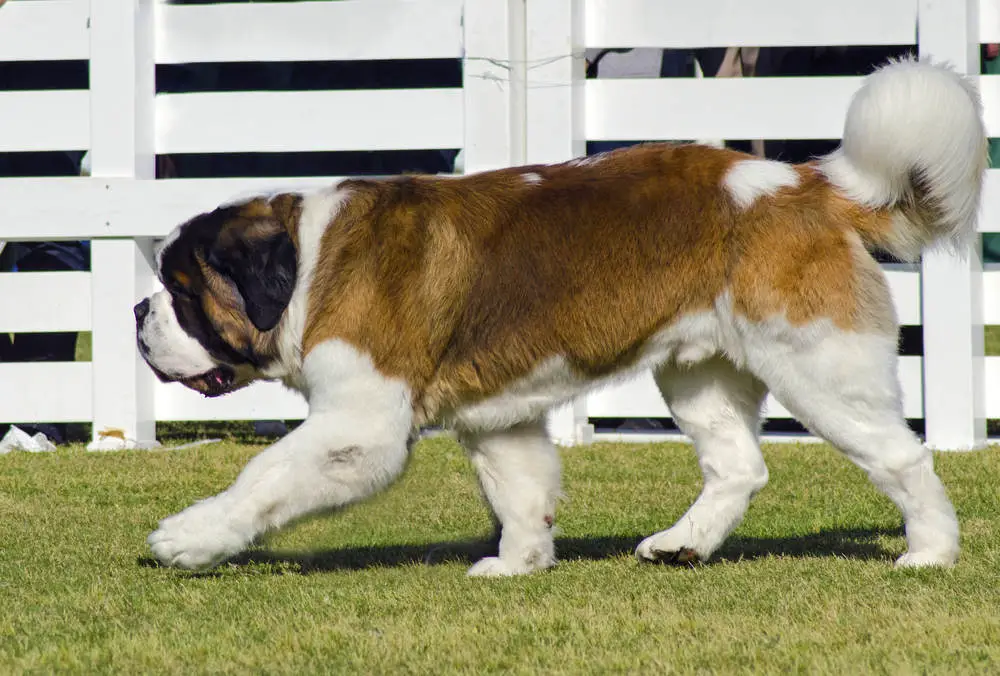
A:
47	392
91	208
45	30
522	98
787	107
66	296
308	121
309	31
723	23
45	120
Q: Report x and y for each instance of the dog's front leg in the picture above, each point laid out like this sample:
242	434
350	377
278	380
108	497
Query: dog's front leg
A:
353	443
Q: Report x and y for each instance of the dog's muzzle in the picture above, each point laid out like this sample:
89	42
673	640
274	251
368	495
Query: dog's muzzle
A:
211	383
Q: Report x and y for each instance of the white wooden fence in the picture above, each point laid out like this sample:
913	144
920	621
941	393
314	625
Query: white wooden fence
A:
523	99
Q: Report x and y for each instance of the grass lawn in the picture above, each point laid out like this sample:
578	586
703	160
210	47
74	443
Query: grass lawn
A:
806	583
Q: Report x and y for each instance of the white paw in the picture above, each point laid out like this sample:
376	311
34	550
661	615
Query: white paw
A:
669	546
201	536
926	559
494	566
491	566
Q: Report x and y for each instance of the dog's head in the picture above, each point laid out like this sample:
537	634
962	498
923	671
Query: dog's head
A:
228	277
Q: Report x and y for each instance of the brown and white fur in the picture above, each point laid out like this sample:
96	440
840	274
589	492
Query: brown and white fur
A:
481	302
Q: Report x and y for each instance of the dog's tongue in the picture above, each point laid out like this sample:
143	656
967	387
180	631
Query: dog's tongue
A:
210	383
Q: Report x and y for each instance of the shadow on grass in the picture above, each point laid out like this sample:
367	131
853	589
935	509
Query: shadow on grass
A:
848	543
853	543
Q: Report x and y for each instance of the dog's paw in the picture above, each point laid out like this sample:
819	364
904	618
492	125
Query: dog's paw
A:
202	536
668	547
926	559
492	566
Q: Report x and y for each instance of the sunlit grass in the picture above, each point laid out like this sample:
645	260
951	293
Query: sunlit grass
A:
806	583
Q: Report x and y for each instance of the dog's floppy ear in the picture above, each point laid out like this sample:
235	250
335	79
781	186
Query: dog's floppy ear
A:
263	270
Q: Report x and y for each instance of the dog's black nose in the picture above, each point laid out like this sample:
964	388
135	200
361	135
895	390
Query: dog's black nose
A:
141	310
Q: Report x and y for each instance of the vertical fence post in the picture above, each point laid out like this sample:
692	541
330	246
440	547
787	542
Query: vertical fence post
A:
554	76
555	81
493	84
122	90
951	285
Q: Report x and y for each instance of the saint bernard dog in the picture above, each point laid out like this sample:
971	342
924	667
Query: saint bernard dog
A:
480	302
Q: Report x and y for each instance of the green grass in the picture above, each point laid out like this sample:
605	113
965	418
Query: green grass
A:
992	341
805	584
84	346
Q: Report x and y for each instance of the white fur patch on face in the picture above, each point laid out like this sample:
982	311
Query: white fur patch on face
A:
168	347
748	180
532	178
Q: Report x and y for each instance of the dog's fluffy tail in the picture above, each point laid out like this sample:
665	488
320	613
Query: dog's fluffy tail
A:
914	143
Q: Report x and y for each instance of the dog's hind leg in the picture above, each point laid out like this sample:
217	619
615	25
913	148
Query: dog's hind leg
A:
844	387
520	476
717	406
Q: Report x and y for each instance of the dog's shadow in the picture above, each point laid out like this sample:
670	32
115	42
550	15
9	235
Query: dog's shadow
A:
850	543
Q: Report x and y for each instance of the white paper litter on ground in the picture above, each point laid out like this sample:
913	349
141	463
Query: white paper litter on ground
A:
17	439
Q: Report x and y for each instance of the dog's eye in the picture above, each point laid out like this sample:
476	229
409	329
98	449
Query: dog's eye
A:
179	291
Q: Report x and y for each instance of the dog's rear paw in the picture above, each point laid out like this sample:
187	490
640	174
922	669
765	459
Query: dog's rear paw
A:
664	548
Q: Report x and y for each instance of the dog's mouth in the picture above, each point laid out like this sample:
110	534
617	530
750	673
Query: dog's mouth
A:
212	383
